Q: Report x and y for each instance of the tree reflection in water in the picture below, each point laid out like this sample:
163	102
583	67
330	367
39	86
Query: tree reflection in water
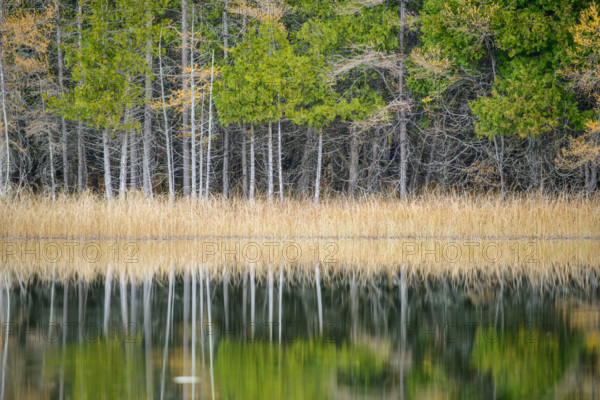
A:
381	338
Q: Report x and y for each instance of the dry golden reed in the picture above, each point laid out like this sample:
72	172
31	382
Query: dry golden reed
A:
461	239
89	216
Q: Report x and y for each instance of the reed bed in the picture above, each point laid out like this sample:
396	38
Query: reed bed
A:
465	240
453	216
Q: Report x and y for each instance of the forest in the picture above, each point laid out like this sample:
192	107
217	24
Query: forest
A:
304	99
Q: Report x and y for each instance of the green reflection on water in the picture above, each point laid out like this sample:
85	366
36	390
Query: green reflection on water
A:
107	366
308	369
525	363
539	348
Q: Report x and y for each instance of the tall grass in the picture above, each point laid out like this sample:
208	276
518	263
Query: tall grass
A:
462	239
136	217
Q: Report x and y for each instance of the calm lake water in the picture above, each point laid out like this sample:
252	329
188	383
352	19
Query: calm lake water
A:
339	340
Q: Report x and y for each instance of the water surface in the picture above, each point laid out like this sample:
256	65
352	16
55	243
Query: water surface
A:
276	339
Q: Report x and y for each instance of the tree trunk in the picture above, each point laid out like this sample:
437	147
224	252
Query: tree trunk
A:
80	144
133	157
252	168
225	162
147	135
319	161
185	113
402	116
225	130
123	167
201	151
107	176
52	182
193	109
63	123
270	163
210	123
279	166
592	177
5	152
304	177
167	134
65	157
244	164
373	167
430	161
500	163
353	170
81	175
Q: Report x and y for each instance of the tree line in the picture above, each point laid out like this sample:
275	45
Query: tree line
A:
246	98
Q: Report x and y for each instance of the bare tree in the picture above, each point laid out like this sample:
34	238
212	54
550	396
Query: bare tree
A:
166	122
185	113
402	115
5	155
107	174
270	163
319	163
193	109
210	124
80	144
225	130
147	135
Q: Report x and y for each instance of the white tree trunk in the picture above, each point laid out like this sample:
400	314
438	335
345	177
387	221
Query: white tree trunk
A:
167	134
4	182
61	86
185	113
107	176
123	167
133	161
353	170
147	135
52	182
193	109
252	167
210	123
244	164
201	153
225	162
225	131
403	139
279	166
270	163
319	162
80	145
81	180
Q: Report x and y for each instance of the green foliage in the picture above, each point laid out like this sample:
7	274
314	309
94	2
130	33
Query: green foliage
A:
497	44
527	102
111	56
251	88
